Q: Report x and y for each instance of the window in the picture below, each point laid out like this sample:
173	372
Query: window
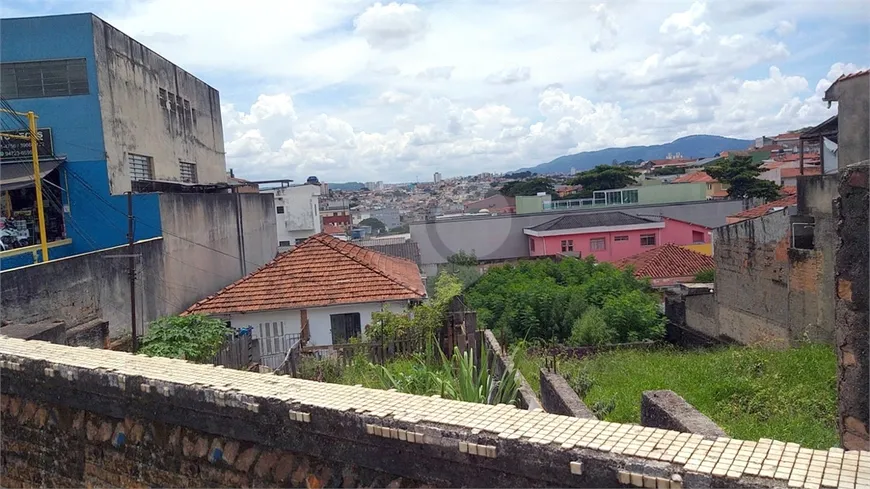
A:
283	243
140	167
567	245
344	327
647	239
35	79
188	172
697	237
280	209
299	241
597	244
532	245
620	238
709	186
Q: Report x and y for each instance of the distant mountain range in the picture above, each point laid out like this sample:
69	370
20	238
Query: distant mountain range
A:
698	146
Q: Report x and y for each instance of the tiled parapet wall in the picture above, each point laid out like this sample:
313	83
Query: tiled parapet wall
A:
420	439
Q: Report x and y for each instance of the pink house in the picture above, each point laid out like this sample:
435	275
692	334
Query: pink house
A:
610	236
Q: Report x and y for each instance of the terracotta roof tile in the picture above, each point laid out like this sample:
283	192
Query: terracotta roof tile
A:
788	190
694	177
721	194
765	208
852	75
667	261
322	271
333	229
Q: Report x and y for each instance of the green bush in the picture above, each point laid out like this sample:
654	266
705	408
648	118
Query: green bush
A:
195	337
634	316
543	300
591	329
706	276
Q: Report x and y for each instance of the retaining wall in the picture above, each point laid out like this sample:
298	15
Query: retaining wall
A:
558	397
77	416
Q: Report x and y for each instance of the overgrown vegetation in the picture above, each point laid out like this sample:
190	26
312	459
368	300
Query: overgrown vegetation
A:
579	301
428	372
751	392
528	187
194	337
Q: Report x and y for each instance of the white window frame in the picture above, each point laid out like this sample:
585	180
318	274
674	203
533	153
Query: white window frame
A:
598	244
620	238
647	237
567	245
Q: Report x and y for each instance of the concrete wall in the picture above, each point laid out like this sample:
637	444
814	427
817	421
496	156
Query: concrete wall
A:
153	422
558	397
668	410
501	237
85	287
201	241
198	255
136	118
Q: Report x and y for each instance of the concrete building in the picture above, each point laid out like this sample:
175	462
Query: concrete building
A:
715	188
324	291
118	117
852	94
297	213
436	177
610	236
643	195
391	218
335	212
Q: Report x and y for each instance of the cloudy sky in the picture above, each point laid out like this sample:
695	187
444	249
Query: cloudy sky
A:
357	90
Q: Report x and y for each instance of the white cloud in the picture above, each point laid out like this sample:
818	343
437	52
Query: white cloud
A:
509	76
391	26
784	28
351	89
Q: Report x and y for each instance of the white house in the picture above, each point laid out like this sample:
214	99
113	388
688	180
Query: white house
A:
297	212
324	291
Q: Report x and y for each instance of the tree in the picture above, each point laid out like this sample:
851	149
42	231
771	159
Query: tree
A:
377	226
706	276
591	329
463	258
742	175
194	337
604	177
528	187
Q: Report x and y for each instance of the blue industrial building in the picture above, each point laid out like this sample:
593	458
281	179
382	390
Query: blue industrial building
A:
117	117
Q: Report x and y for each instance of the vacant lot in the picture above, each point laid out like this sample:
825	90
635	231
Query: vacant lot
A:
751	393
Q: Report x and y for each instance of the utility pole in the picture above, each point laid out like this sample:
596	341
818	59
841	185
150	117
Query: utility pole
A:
40	211
132	269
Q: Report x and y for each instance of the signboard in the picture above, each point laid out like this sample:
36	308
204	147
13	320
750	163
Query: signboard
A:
20	149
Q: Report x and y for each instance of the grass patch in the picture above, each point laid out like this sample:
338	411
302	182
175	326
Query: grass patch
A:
788	395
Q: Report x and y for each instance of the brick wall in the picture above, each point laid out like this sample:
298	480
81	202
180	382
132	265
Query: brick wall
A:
76	417
53	445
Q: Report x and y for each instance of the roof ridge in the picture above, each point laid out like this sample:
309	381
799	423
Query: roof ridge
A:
367	265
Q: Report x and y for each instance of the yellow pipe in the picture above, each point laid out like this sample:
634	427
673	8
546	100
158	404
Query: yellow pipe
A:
40	212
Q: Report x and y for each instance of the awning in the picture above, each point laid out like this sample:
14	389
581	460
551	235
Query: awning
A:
20	175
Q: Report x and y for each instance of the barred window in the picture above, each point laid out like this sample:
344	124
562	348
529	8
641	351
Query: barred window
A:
140	167
36	79
188	172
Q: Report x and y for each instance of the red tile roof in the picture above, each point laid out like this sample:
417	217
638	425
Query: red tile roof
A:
667	261
720	194
322	271
788	190
793	172
694	177
765	208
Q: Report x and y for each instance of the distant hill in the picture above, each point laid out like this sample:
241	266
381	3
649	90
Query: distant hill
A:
349	186
698	146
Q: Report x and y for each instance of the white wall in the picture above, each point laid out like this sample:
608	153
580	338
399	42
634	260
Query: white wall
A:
318	319
301	217
130	78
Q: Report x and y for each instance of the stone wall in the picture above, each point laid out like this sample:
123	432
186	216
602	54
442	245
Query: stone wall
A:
79	416
558	397
852	269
